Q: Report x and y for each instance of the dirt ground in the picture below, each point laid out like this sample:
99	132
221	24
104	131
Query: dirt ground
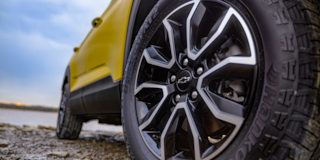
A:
40	142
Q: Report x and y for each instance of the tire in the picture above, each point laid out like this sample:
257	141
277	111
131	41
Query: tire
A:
281	113
68	125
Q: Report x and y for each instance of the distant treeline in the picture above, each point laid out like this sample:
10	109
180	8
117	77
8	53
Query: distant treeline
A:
34	108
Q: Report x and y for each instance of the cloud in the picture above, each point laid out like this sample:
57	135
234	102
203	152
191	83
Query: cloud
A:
37	90
36	42
32	72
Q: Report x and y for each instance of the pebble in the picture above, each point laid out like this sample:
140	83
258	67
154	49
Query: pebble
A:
4	143
58	154
40	142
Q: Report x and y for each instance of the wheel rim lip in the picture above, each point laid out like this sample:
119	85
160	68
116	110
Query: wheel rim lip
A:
236	60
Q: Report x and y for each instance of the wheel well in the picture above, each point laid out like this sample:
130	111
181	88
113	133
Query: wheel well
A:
66	77
65	80
139	11
144	9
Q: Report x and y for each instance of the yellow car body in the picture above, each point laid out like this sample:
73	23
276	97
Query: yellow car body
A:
101	53
95	70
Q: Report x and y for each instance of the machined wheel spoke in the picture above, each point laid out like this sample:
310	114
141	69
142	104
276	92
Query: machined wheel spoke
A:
225	105
223	115
217	36
194	21
199	135
233	114
153	57
155	113
213	101
197	138
173	36
230	70
214	34
168	136
152	53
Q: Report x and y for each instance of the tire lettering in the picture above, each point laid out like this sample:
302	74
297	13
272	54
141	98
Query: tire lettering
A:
251	141
241	154
257	127
269	96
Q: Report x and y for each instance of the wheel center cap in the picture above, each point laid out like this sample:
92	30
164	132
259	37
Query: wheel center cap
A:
183	81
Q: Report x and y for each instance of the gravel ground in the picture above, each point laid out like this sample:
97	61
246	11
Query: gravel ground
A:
40	142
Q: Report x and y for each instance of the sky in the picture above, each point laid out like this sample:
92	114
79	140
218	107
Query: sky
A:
37	38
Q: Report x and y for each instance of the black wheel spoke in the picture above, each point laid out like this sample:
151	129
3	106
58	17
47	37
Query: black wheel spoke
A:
168	136
144	91
153	56
197	137
200	137
226	105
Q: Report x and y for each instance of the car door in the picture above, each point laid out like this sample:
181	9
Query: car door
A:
104	48
106	43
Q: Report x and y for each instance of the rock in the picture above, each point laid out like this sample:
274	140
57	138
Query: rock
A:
7	129
5	125
77	155
17	127
51	134
25	126
27	139
28	129
42	127
13	157
118	138
46	127
108	156
119	134
52	128
6	151
69	141
4	143
58	154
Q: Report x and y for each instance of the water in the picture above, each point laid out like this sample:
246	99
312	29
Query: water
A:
34	118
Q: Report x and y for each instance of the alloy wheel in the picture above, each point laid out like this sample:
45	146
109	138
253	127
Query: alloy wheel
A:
195	81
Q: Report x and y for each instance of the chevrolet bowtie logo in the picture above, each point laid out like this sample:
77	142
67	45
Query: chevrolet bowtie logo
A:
183	80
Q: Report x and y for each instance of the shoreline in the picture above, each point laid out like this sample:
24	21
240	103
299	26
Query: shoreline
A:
17	109
31	108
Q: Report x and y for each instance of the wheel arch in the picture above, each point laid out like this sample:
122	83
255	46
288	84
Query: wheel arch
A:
66	77
139	11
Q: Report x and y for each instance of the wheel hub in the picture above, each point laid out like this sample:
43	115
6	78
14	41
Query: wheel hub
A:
183	80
